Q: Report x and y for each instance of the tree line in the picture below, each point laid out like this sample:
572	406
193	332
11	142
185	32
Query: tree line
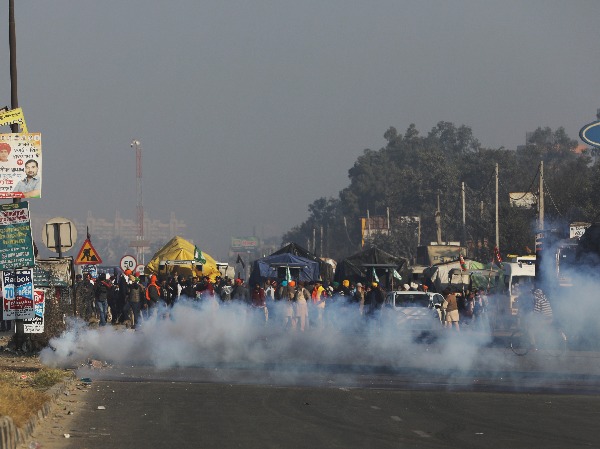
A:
407	176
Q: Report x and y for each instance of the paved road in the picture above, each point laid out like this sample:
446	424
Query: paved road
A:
187	383
498	401
215	415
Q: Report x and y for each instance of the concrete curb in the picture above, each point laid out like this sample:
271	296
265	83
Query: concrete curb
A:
12	436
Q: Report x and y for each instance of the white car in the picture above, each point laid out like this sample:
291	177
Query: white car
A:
415	312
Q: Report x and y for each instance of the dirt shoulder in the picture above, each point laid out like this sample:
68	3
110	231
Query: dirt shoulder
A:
11	360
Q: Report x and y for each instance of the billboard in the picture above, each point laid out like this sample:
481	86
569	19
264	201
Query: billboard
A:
21	165
16	243
523	200
244	243
17	295
36	324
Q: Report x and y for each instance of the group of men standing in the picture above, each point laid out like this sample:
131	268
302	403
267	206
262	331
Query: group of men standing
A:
293	304
116	300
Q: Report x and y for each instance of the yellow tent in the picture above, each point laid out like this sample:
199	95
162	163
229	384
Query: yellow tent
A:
178	256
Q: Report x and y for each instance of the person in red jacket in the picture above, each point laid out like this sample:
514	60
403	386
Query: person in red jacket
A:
259	302
153	292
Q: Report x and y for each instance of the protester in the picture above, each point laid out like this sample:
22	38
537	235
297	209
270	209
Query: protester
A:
101	291
259	302
134	300
287	297
451	309
375	298
152	293
302	298
240	292
359	298
318	300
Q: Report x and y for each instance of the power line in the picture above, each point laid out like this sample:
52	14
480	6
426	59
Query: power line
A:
551	198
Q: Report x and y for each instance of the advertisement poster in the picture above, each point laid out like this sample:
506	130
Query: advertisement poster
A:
21	165
16	243
17	294
36	326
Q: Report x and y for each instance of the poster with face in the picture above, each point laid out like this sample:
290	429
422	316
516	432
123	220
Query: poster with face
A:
21	165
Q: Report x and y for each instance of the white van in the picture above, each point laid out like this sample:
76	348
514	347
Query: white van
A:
519	278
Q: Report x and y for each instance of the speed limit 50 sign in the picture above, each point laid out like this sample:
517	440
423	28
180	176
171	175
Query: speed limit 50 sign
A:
128	263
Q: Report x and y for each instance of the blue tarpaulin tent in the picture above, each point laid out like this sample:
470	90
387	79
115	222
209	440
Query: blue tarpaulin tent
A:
275	267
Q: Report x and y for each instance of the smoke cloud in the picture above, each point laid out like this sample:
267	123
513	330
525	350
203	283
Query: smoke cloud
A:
210	335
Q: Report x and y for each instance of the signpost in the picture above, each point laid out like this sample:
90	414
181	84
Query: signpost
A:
59	234
88	254
128	263
590	134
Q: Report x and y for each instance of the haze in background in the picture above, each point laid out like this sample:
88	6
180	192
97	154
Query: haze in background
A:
249	111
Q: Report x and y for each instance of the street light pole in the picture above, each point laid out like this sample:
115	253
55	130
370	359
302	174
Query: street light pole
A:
140	205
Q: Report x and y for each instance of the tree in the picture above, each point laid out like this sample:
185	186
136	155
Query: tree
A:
409	174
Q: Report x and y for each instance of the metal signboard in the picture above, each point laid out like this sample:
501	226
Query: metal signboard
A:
16	243
59	234
590	134
576	230
88	255
128	263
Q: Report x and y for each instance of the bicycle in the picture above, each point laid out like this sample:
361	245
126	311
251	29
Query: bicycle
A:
549	338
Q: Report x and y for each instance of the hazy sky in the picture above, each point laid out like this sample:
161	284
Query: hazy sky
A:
248	111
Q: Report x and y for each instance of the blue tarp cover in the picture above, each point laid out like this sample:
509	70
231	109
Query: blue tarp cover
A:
265	268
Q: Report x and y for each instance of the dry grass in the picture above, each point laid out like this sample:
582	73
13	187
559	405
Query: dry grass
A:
22	394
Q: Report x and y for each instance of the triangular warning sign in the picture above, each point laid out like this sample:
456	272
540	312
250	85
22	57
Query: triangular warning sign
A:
87	255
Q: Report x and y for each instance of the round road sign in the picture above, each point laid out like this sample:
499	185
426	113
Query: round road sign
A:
128	263
59	234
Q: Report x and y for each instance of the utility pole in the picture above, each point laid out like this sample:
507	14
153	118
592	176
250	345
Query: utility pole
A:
464	215
438	221
388	219
497	224
12	43
321	243
139	244
482	234
541	201
14	103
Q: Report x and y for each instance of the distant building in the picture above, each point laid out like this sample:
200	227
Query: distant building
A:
100	228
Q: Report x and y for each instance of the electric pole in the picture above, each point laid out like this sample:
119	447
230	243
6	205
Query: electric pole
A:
541	201
139	244
497	218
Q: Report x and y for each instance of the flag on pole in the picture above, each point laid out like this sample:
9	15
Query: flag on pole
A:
497	255
288	275
198	257
463	265
375	278
397	275
240	261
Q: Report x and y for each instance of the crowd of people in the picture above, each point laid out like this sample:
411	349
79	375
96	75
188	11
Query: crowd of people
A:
129	299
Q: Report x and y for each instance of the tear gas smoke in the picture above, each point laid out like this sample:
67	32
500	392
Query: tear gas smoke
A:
208	333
